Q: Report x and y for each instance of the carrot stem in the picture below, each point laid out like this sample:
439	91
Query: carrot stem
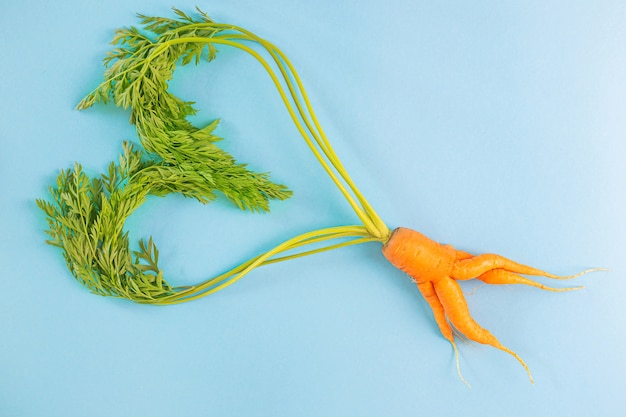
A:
230	277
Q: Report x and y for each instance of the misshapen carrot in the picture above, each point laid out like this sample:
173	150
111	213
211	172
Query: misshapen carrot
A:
435	268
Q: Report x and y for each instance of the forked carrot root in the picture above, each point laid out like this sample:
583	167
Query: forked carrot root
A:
436	269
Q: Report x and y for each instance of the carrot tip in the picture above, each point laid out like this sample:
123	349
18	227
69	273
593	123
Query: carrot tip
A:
519	359
458	367
579	287
586	271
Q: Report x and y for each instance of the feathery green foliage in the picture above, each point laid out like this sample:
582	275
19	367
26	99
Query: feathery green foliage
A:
86	216
137	76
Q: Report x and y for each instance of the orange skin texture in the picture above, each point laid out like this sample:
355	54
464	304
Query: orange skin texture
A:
436	267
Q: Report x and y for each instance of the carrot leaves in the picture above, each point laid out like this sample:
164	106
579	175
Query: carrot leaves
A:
86	215
137	76
86	220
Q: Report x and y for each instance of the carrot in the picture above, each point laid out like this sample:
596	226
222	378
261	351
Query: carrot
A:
435	268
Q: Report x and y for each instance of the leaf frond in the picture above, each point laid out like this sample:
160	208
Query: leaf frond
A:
86	215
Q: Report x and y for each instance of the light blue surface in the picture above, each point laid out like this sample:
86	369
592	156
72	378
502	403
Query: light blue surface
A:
497	126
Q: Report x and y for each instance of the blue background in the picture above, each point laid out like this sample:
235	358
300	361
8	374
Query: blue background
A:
497	126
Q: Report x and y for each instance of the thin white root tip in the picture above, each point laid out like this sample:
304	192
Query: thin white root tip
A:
458	366
586	271
579	287
476	289
520	360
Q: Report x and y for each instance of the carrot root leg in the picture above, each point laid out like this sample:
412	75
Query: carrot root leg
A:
504	277
469	268
478	265
451	297
429	294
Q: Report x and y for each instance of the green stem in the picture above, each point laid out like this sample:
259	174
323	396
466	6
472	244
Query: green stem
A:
355	206
230	277
281	61
287	70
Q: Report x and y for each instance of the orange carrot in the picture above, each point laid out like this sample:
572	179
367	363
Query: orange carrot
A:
435	268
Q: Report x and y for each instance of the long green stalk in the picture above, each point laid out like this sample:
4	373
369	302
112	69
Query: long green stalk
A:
230	277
